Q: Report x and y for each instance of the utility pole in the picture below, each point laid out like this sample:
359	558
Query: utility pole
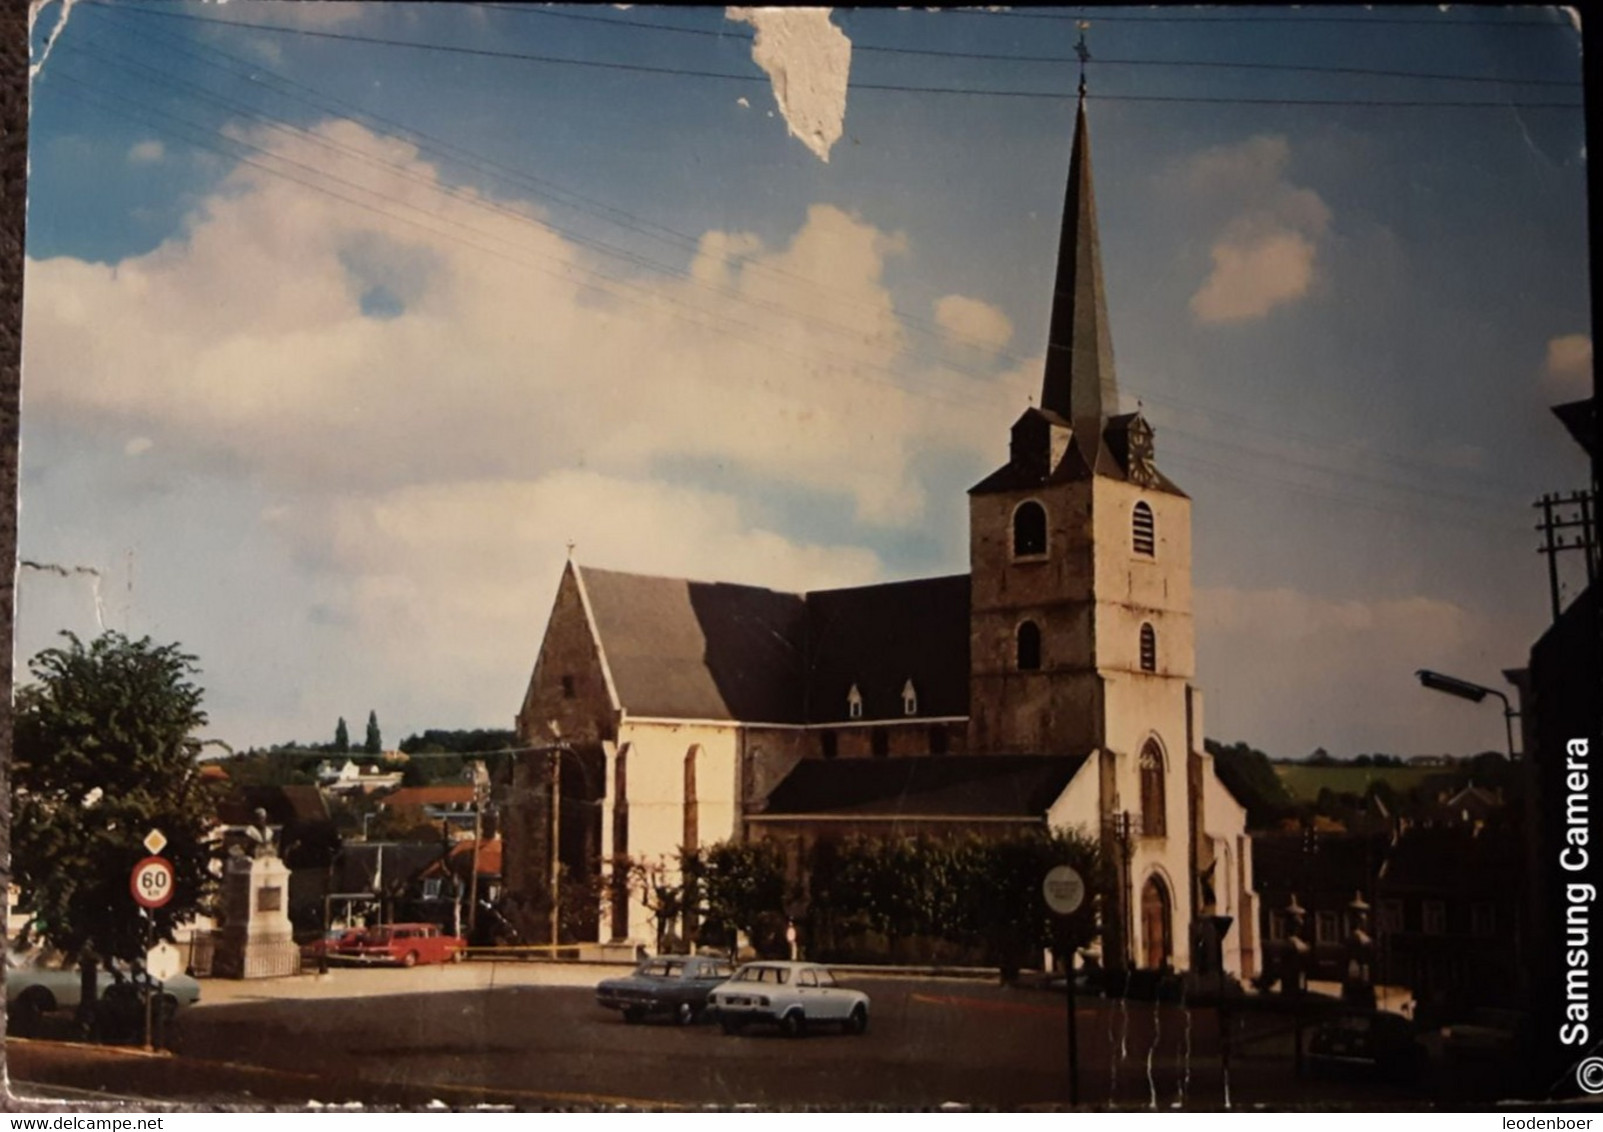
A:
1561	513
481	784
556	846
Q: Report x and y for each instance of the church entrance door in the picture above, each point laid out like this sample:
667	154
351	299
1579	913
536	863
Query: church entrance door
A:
1156	939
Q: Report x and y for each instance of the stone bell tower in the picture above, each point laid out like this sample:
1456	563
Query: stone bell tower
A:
1081	638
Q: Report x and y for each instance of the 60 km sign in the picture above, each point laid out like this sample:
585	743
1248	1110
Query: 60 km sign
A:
152	882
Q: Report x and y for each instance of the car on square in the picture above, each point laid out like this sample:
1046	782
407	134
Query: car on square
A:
404	945
793	996
673	985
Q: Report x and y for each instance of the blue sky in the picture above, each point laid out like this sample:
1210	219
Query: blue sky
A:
332	345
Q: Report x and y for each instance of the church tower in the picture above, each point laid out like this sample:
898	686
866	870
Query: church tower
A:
1081	637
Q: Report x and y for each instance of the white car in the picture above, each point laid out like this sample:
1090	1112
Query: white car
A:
34	990
792	996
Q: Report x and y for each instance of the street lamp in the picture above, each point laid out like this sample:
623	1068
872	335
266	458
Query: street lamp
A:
1474	693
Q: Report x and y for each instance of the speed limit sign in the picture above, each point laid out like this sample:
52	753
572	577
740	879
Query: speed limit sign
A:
152	882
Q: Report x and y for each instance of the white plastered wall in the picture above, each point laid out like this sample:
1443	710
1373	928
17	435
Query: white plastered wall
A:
655	774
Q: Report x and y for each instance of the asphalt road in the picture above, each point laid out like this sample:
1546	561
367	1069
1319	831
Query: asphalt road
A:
930	1042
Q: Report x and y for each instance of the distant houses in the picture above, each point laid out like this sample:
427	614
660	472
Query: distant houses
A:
349	777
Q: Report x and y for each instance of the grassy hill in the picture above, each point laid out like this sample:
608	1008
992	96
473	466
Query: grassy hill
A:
1304	782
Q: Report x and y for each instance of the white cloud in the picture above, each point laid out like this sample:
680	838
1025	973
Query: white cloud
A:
247	337
1266	255
449	585
146	152
808	60
1567	371
973	322
1288	670
425	462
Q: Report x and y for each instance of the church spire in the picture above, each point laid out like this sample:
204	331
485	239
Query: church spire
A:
1079	383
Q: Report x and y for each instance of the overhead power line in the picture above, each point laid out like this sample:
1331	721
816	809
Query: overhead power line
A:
1094	15
900	88
898	380
1070	60
541	187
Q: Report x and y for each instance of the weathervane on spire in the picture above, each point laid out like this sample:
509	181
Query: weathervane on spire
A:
1084	53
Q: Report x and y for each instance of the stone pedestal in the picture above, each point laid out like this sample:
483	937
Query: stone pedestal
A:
256	941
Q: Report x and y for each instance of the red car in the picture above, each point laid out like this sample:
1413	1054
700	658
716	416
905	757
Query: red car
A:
406	945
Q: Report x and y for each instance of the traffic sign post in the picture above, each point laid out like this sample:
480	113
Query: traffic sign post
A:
152	882
1064	890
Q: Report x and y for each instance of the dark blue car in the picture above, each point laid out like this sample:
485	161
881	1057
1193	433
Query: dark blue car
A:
674	985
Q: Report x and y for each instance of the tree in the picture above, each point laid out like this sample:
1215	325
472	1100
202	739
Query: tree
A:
1249	775
342	737
739	883
652	882
106	752
375	742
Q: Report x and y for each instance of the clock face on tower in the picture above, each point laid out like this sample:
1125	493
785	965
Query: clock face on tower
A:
1141	468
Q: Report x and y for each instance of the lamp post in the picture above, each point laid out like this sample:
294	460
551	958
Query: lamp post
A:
1474	693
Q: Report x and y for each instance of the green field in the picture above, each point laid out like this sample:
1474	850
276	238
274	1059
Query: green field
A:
1304	782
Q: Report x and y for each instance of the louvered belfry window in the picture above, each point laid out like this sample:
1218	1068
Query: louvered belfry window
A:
1149	649
1143	533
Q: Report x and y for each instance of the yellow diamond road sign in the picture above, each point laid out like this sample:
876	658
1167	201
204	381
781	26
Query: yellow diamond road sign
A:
155	842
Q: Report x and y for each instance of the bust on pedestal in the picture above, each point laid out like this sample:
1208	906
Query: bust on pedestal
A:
257	941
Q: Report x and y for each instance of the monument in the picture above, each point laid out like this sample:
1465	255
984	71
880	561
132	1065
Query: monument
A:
257	941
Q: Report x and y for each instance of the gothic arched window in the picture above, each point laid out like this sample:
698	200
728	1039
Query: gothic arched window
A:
1149	649
692	814
1029	530
1143	532
1029	651
1153	821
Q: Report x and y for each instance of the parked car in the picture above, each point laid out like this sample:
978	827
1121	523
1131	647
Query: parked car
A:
34	989
328	943
1377	1042
404	945
675	985
792	996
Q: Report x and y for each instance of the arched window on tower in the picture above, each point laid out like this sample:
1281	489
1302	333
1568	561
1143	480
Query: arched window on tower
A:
909	699
1029	530
1143	531
1149	648
1029	652
854	703
1153	821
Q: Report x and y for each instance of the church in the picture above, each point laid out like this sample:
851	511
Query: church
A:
1049	687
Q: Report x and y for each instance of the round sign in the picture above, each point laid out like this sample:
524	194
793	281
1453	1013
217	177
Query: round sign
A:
1064	890
152	882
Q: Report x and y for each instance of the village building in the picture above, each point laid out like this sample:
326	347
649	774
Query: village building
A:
1049	687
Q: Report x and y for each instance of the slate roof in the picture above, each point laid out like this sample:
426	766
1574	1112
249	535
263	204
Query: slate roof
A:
356	869
285	805
1022	786
699	650
681	649
1580	417
879	637
1295	862
1449	859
